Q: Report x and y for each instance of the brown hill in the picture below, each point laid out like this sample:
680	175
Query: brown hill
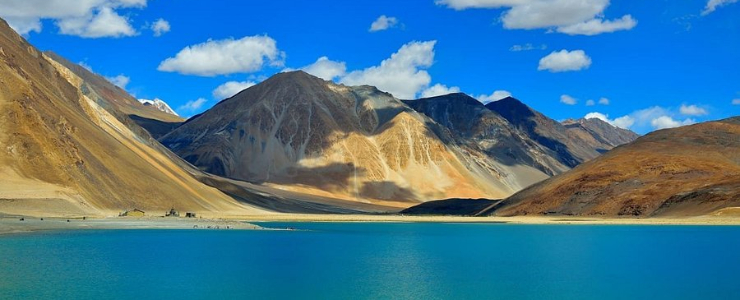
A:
64	153
685	171
302	133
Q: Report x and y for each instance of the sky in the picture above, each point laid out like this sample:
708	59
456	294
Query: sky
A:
641	65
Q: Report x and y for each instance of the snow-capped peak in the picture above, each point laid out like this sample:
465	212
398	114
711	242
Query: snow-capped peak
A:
158	104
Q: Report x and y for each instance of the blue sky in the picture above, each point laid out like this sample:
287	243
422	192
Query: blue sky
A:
659	63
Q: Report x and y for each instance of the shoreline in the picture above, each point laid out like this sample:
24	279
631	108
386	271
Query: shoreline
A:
13	225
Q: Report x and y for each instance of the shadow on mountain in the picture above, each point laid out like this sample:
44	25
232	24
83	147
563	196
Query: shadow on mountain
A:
387	190
523	117
450	207
272	202
156	128
331	178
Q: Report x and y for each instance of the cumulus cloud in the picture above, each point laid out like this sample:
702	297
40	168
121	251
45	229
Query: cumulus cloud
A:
191	106
527	47
326	68
584	17
228	56
160	27
103	23
87	18
645	120
621	122
439	90
735	101
664	122
712	5
598	26
383	23
590	102
495	96
231	88
568	100
402	74
604	101
564	61
692	110
120	80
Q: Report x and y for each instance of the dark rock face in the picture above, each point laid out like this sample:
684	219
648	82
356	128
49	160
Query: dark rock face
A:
449	207
598	134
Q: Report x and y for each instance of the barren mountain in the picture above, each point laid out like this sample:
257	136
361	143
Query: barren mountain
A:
685	171
598	134
305	134
570	149
156	118
481	128
64	149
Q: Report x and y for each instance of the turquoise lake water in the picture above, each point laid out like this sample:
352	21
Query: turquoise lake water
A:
377	261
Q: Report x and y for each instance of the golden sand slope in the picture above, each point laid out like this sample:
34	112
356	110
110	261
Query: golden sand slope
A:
61	153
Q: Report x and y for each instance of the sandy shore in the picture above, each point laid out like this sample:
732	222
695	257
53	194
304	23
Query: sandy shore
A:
9	225
704	220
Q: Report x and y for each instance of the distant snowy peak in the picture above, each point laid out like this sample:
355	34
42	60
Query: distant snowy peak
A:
158	104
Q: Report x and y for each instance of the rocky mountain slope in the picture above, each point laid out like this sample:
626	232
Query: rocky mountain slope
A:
598	134
476	125
64	149
685	171
305	134
568	148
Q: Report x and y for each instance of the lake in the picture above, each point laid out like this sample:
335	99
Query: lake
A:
377	261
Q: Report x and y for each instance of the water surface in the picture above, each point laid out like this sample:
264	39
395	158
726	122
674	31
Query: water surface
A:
378	260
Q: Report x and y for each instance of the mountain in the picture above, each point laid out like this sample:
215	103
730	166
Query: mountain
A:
598	134
686	171
569	149
301	133
159	104
157	119
67	147
479	127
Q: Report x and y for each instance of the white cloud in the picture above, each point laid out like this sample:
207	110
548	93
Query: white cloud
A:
598	26
160	27
103	23
382	23
568	100
713	4
439	90
590	102
119	80
735	101
228	56
326	68
231	88
692	110
497	95
567	16
604	101
402	74
564	61
191	106
85	18
664	122
85	65
645	120
527	47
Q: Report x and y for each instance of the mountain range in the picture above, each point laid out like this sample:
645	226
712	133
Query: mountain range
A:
75	144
